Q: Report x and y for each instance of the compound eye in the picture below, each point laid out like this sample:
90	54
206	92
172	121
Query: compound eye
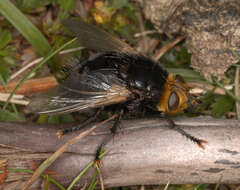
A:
173	101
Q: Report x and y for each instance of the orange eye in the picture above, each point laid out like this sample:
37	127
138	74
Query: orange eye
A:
173	101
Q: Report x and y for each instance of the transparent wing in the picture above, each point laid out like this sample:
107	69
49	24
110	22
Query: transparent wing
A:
82	91
93	38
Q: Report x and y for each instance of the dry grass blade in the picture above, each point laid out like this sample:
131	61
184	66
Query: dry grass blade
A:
84	186
36	61
100	178
60	151
137	35
237	93
31	64
166	186
16	99
219	183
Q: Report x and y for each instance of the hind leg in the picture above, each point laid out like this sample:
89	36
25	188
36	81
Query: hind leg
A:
61	133
108	138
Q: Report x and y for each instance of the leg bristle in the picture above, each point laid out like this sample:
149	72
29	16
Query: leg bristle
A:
187	135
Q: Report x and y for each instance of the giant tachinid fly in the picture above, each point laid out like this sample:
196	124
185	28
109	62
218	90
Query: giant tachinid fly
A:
119	78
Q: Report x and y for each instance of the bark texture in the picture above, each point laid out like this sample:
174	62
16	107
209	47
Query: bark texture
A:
145	151
212	30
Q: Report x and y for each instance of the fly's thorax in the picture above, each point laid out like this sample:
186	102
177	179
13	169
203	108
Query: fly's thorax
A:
174	96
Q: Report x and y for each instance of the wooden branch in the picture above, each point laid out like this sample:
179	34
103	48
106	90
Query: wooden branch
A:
32	85
145	151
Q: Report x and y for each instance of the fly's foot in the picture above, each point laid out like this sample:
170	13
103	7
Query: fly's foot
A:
97	163
196	140
200	143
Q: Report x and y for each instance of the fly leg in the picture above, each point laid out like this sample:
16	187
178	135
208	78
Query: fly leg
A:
173	126
108	138
61	133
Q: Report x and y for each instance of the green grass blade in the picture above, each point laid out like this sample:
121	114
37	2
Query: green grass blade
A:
25	27
94	181
35	69
6	90
188	74
47	182
228	92
83	172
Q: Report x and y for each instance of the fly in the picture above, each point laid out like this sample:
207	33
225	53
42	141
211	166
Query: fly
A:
118	78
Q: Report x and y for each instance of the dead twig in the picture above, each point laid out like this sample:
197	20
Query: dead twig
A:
3	167
159	53
143	147
32	85
237	93
142	29
153	46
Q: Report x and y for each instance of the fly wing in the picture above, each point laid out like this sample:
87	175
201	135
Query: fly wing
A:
93	38
83	91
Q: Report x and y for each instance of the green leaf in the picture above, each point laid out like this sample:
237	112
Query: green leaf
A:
223	104
187	74
207	100
5	38
66	118
32	4
54	119
9	60
28	30
43	119
201	187
51	54
68	5
8	51
4	53
4	71
11	117
228	92
25	27
118	4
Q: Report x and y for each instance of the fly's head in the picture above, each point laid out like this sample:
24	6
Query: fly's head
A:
174	97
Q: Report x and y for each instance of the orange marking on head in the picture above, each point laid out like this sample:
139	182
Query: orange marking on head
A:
174	96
